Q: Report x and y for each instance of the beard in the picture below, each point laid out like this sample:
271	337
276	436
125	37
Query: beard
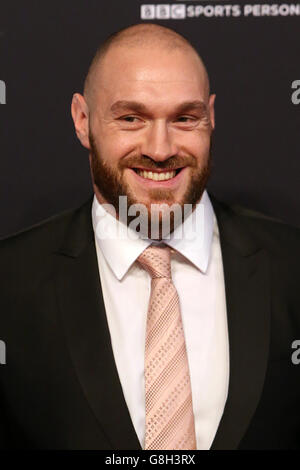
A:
110	185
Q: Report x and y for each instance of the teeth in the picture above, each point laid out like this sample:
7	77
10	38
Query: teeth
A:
156	176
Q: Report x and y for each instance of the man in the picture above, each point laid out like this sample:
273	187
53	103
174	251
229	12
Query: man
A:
105	350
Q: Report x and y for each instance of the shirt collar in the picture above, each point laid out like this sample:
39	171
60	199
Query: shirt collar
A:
121	246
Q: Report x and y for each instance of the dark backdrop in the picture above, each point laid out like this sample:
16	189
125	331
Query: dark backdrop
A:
45	50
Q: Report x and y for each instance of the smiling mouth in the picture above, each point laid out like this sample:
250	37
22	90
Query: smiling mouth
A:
163	175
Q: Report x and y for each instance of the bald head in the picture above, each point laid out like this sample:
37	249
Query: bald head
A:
140	36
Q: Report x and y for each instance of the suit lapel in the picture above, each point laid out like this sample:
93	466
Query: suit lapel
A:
246	273
84	319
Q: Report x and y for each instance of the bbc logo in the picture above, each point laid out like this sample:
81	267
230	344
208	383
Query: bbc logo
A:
2	92
163	12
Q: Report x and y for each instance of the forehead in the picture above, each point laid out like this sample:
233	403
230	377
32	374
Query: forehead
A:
150	74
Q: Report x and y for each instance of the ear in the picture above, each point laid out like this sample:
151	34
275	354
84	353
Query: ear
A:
211	106
80	115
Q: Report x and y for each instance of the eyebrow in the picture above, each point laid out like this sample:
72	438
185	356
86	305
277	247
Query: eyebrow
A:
124	105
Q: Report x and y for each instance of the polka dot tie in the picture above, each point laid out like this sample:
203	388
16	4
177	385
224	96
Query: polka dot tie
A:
169	412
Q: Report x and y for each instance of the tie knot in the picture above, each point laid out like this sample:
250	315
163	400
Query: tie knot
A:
156	260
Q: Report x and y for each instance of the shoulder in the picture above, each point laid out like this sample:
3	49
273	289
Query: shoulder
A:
41	239
249	227
271	231
250	232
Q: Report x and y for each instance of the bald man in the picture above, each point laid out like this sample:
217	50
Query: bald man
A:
153	316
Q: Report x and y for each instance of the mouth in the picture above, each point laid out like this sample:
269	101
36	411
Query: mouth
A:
157	175
159	178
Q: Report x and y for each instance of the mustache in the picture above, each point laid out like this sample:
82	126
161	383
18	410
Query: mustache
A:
147	162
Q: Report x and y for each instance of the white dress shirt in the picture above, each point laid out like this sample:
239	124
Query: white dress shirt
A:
197	273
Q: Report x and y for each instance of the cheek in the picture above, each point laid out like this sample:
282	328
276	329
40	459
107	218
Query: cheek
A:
117	145
195	143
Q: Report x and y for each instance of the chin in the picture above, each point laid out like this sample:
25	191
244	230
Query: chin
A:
160	201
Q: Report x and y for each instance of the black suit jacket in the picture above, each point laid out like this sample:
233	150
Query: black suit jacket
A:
60	389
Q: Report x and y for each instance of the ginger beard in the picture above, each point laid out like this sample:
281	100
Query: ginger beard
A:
110	184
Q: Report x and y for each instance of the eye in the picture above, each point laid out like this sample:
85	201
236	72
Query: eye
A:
130	122
186	118
128	118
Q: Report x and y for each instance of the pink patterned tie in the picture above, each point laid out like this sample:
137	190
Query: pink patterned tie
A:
169	412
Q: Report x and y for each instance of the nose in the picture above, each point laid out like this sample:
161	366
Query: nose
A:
158	144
